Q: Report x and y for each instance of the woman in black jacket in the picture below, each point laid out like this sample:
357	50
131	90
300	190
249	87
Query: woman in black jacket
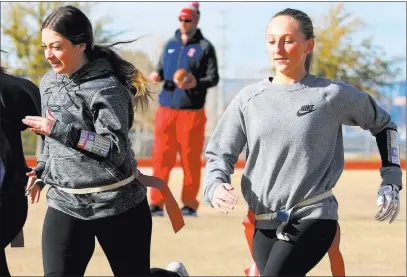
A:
18	98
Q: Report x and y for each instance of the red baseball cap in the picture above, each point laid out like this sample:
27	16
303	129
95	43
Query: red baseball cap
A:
190	12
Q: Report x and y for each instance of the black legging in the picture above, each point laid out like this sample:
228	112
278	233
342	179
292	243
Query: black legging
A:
13	214
68	243
310	241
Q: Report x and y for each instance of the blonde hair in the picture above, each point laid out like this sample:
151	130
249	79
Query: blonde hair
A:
143	93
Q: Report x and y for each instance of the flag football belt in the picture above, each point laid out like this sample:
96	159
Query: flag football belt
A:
98	189
284	216
171	205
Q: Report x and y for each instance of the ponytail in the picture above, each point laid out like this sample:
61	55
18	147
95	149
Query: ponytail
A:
128	75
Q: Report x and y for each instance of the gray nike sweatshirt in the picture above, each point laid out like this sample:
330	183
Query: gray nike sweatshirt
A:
294	144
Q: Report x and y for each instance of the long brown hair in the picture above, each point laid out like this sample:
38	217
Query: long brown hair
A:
74	25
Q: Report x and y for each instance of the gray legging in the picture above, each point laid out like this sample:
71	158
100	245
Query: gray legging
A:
68	243
310	241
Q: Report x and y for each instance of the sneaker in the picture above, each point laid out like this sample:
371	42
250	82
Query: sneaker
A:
178	267
156	210
188	211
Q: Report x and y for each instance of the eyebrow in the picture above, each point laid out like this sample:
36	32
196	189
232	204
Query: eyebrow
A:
288	34
51	42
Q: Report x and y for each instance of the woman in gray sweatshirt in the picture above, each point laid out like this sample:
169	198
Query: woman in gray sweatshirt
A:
292	125
95	188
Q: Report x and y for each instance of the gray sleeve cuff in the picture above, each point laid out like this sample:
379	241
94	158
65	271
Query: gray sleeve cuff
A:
208	192
391	175
39	169
64	133
42	159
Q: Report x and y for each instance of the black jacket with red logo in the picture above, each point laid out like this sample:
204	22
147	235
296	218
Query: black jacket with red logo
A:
198	56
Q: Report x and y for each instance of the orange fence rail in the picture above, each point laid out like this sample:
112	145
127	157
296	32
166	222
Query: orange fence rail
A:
349	164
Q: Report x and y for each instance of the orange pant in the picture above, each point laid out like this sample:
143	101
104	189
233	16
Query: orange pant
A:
183	131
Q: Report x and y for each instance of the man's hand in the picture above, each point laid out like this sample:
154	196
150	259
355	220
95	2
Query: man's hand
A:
155	77
188	82
388	199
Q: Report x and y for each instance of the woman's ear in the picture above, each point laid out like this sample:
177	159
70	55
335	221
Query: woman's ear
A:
82	46
310	46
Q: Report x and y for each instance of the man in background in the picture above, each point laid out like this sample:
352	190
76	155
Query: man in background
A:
180	119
